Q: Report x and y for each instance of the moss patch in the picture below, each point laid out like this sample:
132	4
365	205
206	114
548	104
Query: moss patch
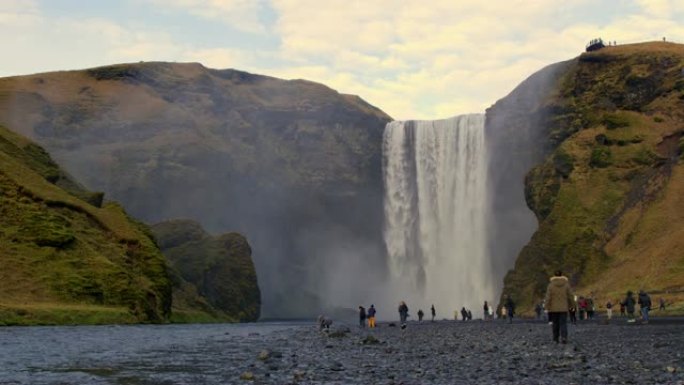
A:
607	196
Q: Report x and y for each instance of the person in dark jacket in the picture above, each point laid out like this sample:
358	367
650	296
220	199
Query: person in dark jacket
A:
559	300
510	308
434	313
645	303
573	311
324	323
538	310
464	314
420	315
629	303
371	316
362	317
403	313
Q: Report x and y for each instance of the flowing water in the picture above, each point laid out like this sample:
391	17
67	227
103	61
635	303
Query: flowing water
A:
435	212
141	354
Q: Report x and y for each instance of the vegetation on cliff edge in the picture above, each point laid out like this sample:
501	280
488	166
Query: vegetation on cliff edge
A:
609	195
65	257
219	267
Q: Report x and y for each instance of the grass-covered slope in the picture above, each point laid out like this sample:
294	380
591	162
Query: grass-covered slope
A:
64	258
292	164
608	196
219	267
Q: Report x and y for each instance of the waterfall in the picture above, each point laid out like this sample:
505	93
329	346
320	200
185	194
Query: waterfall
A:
435	213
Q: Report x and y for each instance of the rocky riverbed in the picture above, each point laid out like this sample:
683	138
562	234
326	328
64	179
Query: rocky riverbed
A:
444	352
472	353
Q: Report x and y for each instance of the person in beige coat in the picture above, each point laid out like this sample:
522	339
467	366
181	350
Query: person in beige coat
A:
559	299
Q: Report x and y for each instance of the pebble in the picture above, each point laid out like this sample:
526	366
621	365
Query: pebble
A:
473	352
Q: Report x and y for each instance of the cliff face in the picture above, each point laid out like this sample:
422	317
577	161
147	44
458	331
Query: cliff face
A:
293	165
607	193
65	257
516	130
219	267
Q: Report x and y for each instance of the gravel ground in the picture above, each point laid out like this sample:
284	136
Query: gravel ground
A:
445	352
473	352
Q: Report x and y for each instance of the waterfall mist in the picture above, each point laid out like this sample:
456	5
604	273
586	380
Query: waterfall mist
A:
435	175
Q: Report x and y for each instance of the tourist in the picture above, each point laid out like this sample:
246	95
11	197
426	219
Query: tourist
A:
662	304
324	323
645	304
485	308
559	300
403	313
582	306
420	315
590	307
371	316
609	310
538	310
573	311
629	306
434	313
464	314
510	308
622	309
362	317
470	315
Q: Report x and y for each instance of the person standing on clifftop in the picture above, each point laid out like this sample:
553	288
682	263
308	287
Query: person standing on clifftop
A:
434	313
420	315
559	300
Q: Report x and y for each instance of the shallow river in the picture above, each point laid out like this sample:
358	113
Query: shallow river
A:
145	354
445	352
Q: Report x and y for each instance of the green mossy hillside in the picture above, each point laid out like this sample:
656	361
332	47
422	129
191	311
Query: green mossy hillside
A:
609	196
219	268
67	258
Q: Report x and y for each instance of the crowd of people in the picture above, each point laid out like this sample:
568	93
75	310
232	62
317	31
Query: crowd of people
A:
559	305
584	308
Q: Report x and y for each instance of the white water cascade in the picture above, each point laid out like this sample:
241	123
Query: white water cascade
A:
435	214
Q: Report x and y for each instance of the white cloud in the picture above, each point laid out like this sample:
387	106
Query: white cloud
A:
240	14
18	14
448	54
410	58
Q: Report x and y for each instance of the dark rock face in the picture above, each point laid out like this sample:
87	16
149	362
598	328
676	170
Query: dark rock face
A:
293	165
219	267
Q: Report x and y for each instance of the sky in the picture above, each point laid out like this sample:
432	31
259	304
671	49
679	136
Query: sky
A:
414	59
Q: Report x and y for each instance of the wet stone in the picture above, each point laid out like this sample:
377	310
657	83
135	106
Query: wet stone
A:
473	352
